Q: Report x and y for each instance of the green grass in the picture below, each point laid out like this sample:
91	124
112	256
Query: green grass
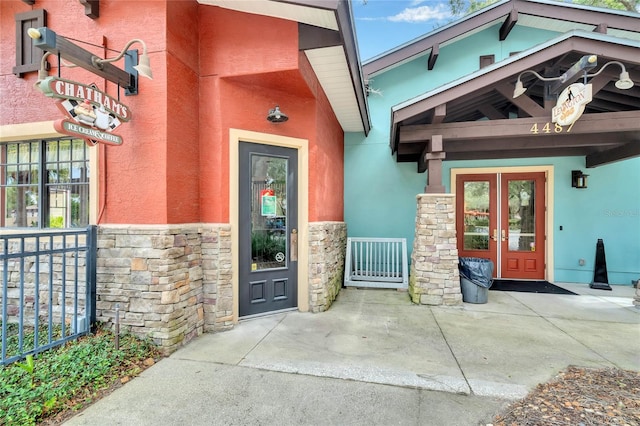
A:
69	377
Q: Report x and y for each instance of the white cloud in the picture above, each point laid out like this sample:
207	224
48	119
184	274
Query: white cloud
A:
421	14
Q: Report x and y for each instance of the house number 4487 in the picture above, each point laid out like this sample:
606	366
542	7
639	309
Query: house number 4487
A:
548	128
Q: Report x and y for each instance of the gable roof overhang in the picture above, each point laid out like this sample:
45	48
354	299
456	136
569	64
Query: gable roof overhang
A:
327	37
541	14
478	118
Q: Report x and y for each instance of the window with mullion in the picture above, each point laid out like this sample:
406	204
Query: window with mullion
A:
44	184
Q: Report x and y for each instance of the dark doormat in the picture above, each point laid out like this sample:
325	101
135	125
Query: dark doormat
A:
528	287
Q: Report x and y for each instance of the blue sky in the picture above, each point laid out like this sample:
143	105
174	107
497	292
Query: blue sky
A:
382	25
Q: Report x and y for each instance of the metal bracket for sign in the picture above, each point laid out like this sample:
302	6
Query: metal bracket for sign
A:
131	60
51	42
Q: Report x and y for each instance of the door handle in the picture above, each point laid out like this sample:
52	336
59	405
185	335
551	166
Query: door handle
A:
504	235
494	237
293	245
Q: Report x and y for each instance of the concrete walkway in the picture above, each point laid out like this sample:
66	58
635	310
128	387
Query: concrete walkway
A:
375	358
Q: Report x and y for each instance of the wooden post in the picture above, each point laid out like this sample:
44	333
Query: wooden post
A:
433	159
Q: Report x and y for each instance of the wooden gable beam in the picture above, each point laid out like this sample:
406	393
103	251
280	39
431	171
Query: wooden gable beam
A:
439	113
91	8
508	24
548	142
513	153
523	102
433	56
623	152
606	122
599	82
312	37
601	28
490	112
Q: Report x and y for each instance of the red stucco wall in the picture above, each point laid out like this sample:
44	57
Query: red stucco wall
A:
182	154
213	70
249	64
134	186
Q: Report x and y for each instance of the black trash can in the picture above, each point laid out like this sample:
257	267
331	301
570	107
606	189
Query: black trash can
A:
475	279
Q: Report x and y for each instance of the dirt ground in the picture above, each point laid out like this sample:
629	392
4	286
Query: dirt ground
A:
579	397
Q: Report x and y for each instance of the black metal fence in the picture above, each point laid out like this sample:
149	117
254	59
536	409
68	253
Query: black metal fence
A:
48	289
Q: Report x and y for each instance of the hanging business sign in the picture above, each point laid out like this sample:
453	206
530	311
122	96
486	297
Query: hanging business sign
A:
92	114
268	202
571	104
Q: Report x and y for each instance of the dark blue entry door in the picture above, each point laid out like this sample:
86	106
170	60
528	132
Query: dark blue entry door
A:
268	229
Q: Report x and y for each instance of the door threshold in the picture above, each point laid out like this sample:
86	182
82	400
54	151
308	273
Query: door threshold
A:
266	314
522	279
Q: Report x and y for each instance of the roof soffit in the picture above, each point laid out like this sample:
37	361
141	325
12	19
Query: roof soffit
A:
323	24
306	12
552	16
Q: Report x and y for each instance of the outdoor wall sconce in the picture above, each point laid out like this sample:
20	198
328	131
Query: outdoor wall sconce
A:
587	62
578	179
143	64
47	40
520	89
43	73
277	116
624	81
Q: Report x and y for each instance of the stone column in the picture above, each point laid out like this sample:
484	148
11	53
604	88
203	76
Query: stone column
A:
434	278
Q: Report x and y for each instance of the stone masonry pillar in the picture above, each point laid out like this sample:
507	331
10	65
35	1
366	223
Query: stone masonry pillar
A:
434	278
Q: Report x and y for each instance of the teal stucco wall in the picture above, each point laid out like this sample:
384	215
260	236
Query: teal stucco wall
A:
380	194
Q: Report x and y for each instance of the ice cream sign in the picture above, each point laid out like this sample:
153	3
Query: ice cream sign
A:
91	114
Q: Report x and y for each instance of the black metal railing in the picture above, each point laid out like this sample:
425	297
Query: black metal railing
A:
48	289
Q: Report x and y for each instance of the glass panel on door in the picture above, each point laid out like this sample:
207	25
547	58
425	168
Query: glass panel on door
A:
268	212
476	215
521	215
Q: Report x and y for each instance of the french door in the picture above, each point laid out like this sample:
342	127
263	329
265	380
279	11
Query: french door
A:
501	217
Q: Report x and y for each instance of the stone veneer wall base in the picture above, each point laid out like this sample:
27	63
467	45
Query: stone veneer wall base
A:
327	248
170	282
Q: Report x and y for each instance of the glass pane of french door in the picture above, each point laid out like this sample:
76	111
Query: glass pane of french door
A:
521	215
476	215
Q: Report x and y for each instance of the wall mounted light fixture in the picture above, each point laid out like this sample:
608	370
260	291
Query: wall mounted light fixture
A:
47	40
624	81
43	72
277	116
520	89
578	179
587	62
143	65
